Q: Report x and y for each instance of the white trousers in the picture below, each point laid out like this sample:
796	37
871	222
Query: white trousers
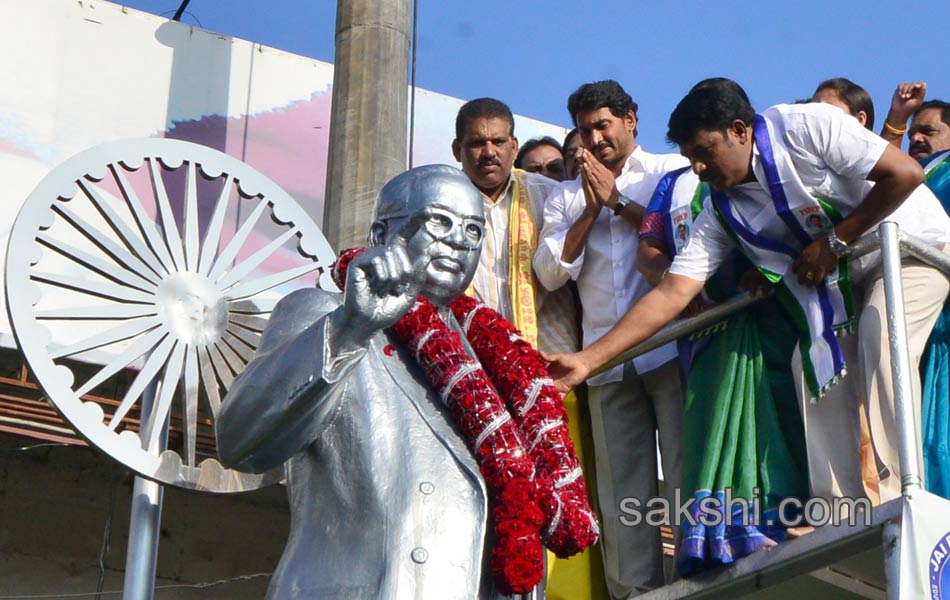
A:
832	428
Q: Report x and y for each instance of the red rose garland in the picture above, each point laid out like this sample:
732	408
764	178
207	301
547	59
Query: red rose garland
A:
520	375
536	493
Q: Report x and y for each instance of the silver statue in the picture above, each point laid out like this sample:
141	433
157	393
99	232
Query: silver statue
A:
386	499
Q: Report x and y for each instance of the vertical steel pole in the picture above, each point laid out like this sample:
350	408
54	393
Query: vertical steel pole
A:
900	357
141	557
891	539
368	117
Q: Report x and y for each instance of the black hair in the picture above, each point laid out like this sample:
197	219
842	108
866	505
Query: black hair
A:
713	104
943	107
567	139
855	97
601	94
482	108
534	143
721	82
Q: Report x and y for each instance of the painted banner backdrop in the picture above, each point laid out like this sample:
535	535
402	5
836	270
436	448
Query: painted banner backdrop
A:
80	73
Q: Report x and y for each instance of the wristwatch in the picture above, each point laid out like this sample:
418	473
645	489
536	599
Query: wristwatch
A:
838	247
622	202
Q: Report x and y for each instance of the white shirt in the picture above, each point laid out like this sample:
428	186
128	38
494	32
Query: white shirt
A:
833	155
556	312
606	270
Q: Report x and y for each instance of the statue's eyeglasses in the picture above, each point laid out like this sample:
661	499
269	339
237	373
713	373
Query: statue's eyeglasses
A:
441	225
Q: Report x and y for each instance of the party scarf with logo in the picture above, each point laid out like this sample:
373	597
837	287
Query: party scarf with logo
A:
680	205
820	311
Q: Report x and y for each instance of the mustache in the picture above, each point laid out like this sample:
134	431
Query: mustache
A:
485	162
919	146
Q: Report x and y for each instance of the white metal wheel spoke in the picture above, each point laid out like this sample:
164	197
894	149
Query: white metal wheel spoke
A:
103	289
232	247
190	400
106	312
124	359
247	289
149	370
146	225
257	306
215	226
156	424
111	270
131	238
230	356
169	225
209	381
238	347
249	337
191	217
225	376
116	251
124	331
246	266
249	322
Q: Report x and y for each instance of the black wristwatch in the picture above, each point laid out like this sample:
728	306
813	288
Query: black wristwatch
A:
622	202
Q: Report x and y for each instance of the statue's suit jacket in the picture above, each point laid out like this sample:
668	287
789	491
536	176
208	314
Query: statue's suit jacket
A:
386	500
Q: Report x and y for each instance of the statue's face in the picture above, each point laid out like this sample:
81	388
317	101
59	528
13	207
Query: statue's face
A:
449	225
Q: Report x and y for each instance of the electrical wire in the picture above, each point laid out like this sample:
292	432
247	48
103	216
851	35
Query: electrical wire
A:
34	447
174	586
181	9
107	536
412	97
187	12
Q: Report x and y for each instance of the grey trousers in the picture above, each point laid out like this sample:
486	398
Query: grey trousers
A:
625	419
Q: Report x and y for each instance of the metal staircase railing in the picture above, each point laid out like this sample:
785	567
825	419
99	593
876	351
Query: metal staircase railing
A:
830	543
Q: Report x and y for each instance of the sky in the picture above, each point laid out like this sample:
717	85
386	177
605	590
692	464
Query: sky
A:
533	54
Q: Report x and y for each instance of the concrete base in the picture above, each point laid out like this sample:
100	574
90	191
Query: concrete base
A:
56	504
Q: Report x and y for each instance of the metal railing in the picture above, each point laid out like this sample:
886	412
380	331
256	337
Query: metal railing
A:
891	242
822	547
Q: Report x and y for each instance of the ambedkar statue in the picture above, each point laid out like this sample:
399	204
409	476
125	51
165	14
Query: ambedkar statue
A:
387	439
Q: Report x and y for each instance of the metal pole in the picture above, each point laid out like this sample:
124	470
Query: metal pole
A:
900	357
709	317
141	557
926	254
369	113
891	540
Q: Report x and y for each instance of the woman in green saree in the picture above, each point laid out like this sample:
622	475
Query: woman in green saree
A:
742	418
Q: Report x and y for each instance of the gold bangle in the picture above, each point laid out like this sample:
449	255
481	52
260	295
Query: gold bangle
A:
893	129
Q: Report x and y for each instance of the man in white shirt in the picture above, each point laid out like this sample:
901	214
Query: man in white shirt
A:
486	146
590	236
766	169
513	201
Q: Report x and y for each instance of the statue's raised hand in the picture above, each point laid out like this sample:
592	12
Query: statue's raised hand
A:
383	282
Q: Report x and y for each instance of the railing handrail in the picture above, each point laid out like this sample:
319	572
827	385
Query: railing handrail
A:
864	245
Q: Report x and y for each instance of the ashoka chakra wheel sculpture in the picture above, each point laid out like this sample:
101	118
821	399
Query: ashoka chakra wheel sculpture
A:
140	274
